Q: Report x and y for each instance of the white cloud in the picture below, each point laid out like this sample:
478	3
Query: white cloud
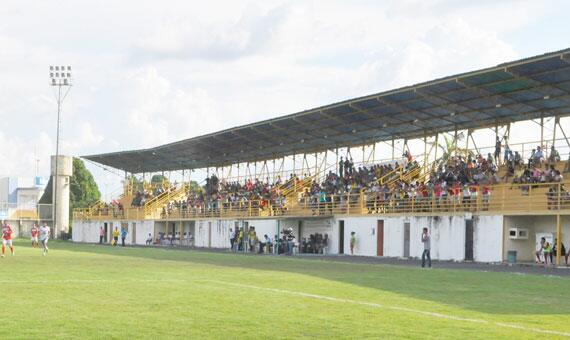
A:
147	74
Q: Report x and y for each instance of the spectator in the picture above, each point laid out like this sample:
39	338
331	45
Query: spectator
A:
115	236
517	159
268	244
547	251
554	156
427	247
497	150
507	154
539	251
538	156
148	239
123	236
101	235
352	242
555	252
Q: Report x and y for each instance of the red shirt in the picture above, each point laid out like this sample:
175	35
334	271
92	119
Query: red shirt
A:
34	232
7	232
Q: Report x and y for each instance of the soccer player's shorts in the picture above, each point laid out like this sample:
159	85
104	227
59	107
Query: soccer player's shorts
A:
34	239
7	242
45	241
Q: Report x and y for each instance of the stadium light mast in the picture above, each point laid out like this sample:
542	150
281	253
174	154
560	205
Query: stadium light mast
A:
60	77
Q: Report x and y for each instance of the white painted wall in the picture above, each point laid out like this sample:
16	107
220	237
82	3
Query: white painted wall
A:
365	229
488	238
86	231
263	227
394	237
143	229
447	237
448	234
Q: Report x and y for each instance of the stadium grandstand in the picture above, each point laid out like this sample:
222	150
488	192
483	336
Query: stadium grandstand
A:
313	178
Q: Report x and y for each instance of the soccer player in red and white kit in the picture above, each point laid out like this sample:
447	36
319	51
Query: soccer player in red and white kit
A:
34	233
7	238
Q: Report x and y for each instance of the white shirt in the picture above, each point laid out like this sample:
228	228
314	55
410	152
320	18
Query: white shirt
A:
44	232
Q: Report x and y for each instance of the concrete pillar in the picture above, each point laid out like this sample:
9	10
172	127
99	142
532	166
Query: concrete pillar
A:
61	190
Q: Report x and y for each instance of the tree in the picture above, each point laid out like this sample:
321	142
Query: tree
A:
83	191
158	179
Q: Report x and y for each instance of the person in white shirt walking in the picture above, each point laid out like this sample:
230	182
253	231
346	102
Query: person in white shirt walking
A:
44	237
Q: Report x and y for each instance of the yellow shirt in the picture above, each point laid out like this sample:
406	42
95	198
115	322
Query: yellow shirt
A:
115	233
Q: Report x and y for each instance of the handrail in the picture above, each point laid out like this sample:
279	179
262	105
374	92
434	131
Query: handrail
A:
499	199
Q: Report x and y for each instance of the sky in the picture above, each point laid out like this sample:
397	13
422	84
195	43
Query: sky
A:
147	73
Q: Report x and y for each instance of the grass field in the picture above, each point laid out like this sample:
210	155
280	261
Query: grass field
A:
90	291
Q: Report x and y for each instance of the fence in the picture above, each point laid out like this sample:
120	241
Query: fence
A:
536	198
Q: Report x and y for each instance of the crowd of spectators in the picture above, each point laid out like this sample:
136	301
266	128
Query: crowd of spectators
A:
143	196
458	180
241	241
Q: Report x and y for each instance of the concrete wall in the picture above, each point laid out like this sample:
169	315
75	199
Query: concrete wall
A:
86	231
366	238
536	225
488	238
447	232
143	228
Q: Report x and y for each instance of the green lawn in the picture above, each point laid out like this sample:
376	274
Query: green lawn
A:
90	291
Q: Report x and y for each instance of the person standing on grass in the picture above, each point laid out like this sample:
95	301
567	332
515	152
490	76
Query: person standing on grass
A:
101	235
115	236
7	238
123	236
426	240
34	233
44	237
352	242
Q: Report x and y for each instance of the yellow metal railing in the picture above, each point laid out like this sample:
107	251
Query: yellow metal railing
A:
547	198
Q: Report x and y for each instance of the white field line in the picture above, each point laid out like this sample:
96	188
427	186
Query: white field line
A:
395	308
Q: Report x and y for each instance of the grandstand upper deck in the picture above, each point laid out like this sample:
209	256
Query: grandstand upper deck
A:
515	91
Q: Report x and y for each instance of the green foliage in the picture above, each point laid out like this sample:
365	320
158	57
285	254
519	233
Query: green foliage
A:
83	190
158	179
195	187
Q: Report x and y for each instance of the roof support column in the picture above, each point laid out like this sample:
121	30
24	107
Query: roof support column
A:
558	233
294	174
392	149
474	145
556	123
455	142
337	166
436	145
541	131
563	134
425	151
316	163
467	143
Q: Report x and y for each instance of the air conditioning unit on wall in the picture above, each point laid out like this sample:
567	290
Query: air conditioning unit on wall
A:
518	233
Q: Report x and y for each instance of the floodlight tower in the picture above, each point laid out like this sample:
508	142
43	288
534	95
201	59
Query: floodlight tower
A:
60	77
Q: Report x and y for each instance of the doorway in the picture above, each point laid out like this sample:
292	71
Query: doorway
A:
133	233
209	234
341	237
107	232
106	226
380	238
406	239
468	240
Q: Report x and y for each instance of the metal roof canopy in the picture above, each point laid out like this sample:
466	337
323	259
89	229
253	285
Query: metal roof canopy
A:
510	92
